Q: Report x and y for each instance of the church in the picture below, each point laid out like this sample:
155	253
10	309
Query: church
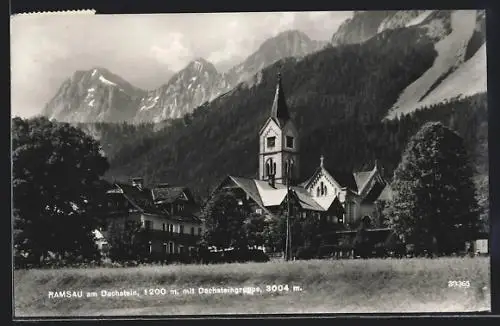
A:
336	197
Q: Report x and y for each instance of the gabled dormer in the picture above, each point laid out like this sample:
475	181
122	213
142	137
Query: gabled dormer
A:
323	187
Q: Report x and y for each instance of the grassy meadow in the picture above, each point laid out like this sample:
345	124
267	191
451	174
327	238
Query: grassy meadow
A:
326	286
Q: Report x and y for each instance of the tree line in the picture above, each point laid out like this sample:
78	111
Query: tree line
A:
57	182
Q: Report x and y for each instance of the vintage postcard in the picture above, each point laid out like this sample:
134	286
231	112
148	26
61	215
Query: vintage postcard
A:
250	163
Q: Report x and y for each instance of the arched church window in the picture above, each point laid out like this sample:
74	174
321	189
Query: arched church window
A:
322	187
270	167
326	190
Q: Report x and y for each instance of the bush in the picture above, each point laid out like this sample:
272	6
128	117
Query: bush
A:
233	256
305	253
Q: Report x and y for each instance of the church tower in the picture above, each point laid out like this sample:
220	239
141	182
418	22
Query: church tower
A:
279	143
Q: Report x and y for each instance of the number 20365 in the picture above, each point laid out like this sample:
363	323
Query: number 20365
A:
458	284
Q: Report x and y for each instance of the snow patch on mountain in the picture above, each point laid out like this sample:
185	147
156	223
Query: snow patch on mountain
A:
105	81
451	51
469	79
420	18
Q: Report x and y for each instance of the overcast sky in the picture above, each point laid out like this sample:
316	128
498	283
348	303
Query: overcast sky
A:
143	49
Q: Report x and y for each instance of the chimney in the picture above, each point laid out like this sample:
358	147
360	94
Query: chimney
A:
272	180
138	182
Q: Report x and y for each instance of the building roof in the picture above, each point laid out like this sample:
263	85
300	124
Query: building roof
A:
142	199
279	109
167	193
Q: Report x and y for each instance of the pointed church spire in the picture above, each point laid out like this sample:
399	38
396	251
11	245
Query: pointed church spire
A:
321	161
279	110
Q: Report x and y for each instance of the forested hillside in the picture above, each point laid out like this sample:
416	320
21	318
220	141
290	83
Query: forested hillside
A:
114	136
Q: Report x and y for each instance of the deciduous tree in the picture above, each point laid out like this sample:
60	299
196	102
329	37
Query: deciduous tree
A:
224	220
56	168
434	205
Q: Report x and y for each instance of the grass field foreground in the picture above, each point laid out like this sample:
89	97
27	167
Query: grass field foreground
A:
333	286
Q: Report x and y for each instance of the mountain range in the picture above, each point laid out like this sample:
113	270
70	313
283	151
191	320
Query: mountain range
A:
459	70
97	95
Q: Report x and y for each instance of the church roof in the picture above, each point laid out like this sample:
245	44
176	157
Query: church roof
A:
250	188
344	179
279	109
266	195
305	200
375	192
386	194
271	196
361	178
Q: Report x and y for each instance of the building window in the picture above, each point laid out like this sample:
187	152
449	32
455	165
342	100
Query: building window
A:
322	188
148	225
181	230
304	214
171	247
180	207
289	141
171	228
165	248
258	211
289	168
271	142
150	247
270	167
317	192
199	231
163	226
192	231
351	211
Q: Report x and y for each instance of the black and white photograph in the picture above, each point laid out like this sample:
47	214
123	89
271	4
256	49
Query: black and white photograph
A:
256	163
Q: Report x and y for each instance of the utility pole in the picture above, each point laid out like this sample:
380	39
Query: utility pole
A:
288	247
